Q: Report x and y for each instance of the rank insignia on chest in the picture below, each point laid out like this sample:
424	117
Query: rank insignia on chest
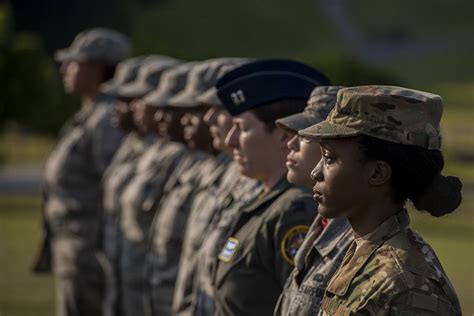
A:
292	242
230	249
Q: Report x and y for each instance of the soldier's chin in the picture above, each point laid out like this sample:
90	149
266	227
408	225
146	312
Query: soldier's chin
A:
327	213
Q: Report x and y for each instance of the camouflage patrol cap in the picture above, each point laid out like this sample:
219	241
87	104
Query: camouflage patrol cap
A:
209	97
96	45
394	114
320	103
148	77
200	79
172	82
126	72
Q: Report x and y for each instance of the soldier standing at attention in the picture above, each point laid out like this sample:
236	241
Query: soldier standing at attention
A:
123	166
214	187
259	252
380	146
188	179
327	240
75	167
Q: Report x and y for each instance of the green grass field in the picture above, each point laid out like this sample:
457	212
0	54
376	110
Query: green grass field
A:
23	294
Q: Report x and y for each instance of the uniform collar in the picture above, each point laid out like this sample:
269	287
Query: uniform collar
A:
281	186
355	260
331	235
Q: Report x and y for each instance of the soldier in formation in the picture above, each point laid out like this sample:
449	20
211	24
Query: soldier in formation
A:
184	188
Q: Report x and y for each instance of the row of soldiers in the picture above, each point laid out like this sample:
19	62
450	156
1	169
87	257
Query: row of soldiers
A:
184	188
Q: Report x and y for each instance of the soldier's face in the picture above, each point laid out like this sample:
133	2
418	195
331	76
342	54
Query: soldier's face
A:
304	155
168	124
81	77
342	177
255	149
123	116
143	116
196	132
220	123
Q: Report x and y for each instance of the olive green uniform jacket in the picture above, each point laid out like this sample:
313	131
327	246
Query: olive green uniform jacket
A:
391	271
259	255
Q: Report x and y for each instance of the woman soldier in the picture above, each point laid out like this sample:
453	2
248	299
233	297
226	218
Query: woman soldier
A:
380	146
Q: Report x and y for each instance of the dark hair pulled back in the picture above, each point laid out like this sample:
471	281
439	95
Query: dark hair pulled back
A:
416	175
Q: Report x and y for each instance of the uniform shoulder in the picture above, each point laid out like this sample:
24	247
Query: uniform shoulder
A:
405	263
294	200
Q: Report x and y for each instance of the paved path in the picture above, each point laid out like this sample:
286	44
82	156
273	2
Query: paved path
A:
24	181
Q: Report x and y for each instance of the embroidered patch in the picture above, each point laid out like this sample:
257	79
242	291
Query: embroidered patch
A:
230	249
292	242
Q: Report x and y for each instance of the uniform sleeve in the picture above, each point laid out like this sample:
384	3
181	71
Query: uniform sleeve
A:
419	302
106	141
283	234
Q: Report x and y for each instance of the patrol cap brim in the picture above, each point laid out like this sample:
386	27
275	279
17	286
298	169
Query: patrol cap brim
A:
134	90
326	129
184	100
66	54
110	89
209	98
297	122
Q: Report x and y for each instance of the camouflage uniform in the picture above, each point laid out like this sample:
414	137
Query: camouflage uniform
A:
244	192
258	256
216	186
392	270
73	175
318	258
116	177
137	203
168	229
325	245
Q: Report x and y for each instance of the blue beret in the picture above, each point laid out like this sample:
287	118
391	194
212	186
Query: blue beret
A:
262	82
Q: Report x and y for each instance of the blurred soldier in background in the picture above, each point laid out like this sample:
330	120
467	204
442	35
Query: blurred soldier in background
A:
139	137
188	178
214	188
327	240
134	217
75	167
263	239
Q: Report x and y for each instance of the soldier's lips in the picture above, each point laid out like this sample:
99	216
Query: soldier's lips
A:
290	162
317	196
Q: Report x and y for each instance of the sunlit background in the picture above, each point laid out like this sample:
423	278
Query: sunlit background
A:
425	45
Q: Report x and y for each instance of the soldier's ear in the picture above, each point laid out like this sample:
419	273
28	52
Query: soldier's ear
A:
381	172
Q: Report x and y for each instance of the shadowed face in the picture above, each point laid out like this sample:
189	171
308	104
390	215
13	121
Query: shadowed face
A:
167	121
220	123
81	77
122	116
304	155
342	179
196	131
143	116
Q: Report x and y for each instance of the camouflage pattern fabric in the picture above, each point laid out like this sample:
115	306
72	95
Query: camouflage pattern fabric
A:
137	204
216	186
72	188
391	271
258	256
395	114
318	258
169	226
117	175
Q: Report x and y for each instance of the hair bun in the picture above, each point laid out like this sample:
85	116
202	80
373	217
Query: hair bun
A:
442	197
